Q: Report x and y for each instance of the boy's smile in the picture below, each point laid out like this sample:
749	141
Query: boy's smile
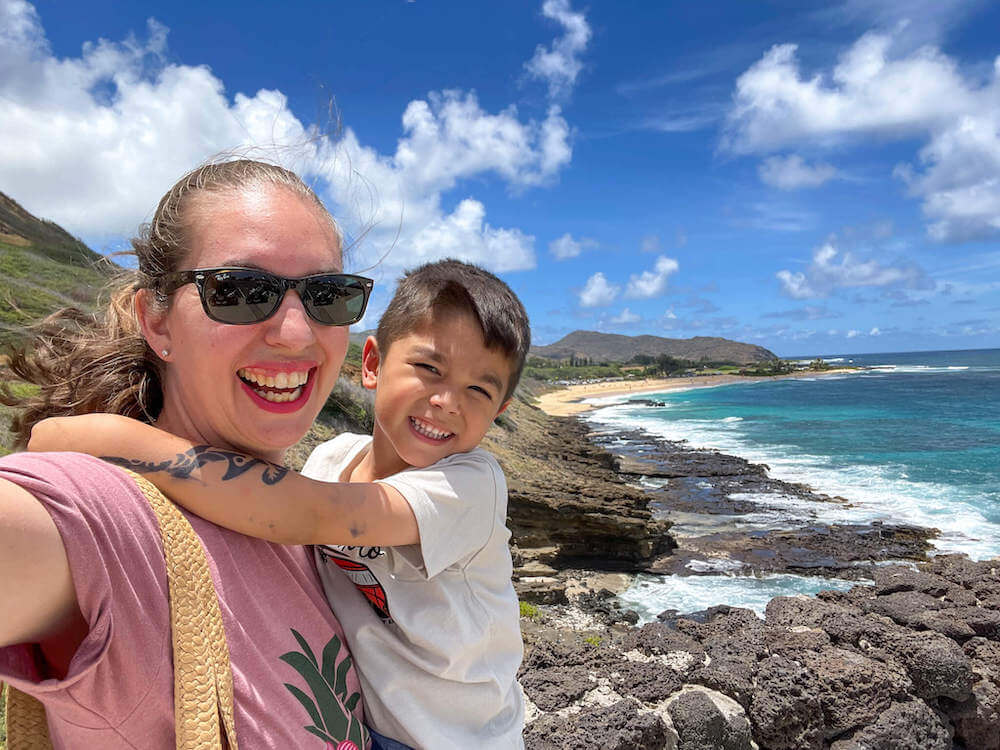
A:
437	391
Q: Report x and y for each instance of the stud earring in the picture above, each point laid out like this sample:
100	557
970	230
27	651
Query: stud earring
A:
165	352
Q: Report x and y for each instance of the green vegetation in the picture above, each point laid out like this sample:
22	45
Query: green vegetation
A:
639	366
530	611
819	365
553	371
32	285
769	369
593	640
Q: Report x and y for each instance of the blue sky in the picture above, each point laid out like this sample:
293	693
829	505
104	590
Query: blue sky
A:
810	177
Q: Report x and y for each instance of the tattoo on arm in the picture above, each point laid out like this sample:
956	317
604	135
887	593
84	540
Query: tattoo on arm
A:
183	464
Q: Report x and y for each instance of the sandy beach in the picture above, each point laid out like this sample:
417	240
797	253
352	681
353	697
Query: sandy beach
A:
570	399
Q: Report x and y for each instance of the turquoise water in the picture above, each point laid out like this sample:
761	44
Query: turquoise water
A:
914	439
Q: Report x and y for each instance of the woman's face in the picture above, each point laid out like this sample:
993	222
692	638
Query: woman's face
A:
238	386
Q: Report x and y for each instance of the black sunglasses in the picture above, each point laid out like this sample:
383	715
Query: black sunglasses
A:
241	296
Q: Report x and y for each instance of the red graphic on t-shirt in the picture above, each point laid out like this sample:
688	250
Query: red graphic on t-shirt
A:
364	579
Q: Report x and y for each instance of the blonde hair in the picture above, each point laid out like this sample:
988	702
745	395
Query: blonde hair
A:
101	363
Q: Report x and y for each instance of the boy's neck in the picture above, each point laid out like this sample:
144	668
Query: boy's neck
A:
378	462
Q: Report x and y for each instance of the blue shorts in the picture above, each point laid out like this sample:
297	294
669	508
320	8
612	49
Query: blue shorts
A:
381	742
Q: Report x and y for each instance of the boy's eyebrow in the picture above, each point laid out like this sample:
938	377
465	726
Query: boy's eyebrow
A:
428	352
493	380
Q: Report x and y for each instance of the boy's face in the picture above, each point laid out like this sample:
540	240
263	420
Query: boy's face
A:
437	390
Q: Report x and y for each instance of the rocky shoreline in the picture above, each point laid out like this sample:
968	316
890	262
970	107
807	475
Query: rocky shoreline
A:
912	661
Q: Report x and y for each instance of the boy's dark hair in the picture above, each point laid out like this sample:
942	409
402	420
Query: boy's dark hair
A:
453	286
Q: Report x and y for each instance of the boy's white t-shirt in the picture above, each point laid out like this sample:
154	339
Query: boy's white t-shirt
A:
433	627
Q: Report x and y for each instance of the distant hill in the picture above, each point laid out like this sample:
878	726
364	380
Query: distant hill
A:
42	268
613	347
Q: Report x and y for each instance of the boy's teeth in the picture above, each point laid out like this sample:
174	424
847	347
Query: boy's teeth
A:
425	429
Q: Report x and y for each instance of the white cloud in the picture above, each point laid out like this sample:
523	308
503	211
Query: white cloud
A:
867	92
882	86
559	64
92	142
792	173
566	247
796	286
831	270
670	314
626	316
465	234
650	243
874	332
853	333
652	283
598	292
959	184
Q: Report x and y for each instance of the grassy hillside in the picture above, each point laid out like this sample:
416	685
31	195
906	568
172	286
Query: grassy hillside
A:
42	268
34	284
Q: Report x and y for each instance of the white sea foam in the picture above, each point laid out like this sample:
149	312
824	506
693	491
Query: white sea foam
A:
730	420
651	595
718	565
873	492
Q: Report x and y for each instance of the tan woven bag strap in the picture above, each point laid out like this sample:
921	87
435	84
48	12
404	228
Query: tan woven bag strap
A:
27	728
203	680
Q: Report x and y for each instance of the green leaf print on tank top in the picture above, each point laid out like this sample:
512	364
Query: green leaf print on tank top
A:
329	707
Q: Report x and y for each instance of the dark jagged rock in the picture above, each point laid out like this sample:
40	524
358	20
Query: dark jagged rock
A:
703	719
910	725
617	727
828	673
567	505
912	661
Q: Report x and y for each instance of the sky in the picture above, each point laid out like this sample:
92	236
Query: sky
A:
815	178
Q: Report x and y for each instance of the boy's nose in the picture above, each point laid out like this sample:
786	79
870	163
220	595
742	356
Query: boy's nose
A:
445	398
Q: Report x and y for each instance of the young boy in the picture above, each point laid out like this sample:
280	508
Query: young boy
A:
411	541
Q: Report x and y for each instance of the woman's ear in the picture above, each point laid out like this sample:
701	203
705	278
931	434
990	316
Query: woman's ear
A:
153	323
370	361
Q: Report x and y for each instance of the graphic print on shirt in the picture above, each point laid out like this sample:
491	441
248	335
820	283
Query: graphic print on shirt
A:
360	574
330	707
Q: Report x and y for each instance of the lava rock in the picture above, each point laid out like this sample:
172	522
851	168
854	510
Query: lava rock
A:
911	725
708	720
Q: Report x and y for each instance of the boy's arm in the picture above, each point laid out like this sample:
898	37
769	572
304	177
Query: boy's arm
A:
237	491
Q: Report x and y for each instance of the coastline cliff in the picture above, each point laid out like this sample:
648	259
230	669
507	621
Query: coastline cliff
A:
909	662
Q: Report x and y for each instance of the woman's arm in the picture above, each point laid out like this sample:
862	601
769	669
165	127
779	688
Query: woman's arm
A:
37	598
237	491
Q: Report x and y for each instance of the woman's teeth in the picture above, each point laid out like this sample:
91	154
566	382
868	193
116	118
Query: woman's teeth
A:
288	385
428	431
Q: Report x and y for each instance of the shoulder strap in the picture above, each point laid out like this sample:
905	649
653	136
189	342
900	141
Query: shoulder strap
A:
203	680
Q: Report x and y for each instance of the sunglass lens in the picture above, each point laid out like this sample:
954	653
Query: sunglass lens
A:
335	300
241	297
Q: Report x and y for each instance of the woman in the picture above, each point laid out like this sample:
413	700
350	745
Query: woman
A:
239	359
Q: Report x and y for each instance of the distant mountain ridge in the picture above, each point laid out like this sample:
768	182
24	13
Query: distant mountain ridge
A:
614	347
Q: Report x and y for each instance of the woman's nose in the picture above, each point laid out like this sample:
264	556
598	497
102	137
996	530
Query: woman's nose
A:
290	327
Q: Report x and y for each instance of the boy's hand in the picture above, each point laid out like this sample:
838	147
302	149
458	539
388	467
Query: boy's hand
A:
96	434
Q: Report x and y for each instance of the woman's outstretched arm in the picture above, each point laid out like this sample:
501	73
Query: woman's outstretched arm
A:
37	598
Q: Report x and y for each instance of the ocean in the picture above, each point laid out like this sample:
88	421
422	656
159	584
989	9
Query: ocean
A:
914	438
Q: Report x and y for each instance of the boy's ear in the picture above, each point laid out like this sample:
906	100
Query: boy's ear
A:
503	408
152	322
370	361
